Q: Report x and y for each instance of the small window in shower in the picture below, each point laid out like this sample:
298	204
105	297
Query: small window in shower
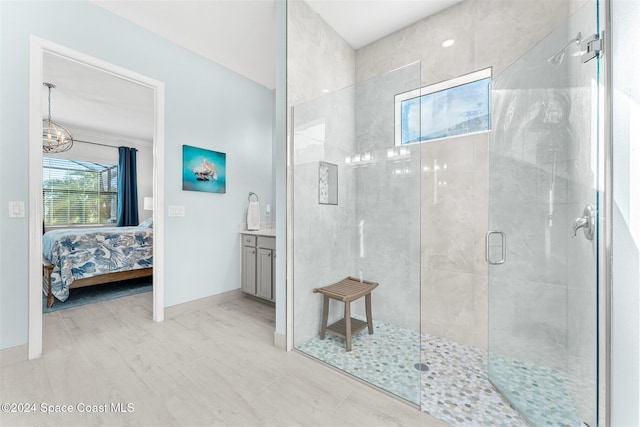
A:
454	107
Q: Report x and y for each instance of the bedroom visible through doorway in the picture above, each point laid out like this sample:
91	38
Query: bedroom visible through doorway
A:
105	107
93	193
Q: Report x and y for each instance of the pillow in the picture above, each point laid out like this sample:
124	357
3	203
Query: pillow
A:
147	223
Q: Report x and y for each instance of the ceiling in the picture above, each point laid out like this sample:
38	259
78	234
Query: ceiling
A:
86	98
360	22
238	34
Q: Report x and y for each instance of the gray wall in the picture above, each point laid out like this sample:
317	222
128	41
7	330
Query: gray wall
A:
454	221
318	60
324	239
205	105
387	195
488	33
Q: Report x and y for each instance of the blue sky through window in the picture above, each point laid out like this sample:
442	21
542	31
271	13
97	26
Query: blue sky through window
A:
454	111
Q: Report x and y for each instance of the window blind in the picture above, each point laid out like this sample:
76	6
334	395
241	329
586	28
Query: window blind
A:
78	192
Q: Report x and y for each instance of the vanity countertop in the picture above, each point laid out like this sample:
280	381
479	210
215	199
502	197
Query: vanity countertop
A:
268	232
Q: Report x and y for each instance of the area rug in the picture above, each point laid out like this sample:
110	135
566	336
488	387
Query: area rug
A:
99	293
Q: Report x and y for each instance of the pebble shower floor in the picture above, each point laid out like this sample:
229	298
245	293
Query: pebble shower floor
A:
454	387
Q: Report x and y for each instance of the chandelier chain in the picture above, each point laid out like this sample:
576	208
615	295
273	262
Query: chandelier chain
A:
49	103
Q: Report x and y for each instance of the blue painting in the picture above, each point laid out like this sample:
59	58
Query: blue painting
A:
455	111
203	170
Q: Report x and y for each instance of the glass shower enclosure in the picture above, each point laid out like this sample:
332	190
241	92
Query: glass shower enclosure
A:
542	247
359	211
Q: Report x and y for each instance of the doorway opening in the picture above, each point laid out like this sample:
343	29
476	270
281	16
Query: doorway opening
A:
40	50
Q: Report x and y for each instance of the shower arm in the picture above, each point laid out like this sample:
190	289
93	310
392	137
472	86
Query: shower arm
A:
575	40
559	55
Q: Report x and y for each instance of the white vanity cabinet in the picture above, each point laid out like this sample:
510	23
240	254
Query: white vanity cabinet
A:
256	275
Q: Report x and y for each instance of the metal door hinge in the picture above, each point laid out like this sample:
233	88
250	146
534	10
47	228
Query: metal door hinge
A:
592	47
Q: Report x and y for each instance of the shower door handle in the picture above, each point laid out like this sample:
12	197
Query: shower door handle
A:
503	247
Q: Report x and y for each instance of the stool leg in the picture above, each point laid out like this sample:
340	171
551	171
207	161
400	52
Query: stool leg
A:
367	305
325	316
347	323
48	272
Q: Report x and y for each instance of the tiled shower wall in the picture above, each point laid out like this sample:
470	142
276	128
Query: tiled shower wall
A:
318	60
324	238
454	220
487	33
454	201
388	201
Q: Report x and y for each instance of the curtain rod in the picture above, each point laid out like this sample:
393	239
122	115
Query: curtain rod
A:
97	143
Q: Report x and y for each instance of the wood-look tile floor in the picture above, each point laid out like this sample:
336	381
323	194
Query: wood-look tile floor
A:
213	366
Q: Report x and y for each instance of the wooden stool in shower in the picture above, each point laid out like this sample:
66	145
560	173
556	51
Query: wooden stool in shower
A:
346	290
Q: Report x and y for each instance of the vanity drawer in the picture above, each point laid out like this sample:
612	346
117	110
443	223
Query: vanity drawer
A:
248	240
266	242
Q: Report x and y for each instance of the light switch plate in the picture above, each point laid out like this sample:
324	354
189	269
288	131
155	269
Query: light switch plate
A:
176	210
16	209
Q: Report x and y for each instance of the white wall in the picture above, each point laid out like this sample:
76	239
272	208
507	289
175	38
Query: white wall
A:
625	295
280	170
206	105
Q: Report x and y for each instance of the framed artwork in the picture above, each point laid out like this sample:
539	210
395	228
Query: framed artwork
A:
203	170
327	184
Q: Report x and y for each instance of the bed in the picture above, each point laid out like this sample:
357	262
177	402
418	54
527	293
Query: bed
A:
74	258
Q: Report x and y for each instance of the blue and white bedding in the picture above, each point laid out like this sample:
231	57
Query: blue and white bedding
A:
88	252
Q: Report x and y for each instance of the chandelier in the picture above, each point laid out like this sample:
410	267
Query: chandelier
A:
55	138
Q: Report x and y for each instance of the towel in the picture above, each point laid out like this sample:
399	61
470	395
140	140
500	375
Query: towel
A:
253	216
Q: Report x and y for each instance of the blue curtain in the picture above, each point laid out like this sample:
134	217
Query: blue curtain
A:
127	187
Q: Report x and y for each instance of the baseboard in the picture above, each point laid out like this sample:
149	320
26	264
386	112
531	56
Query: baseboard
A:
280	341
12	355
201	303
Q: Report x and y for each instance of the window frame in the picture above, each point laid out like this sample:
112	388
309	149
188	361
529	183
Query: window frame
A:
437	87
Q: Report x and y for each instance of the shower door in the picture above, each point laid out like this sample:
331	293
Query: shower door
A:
542	247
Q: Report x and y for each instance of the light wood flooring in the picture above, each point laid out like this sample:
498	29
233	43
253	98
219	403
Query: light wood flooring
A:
212	365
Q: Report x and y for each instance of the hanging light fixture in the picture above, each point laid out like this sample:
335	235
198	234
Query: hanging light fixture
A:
55	138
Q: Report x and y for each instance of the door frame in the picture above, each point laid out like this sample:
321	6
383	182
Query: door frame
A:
38	47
